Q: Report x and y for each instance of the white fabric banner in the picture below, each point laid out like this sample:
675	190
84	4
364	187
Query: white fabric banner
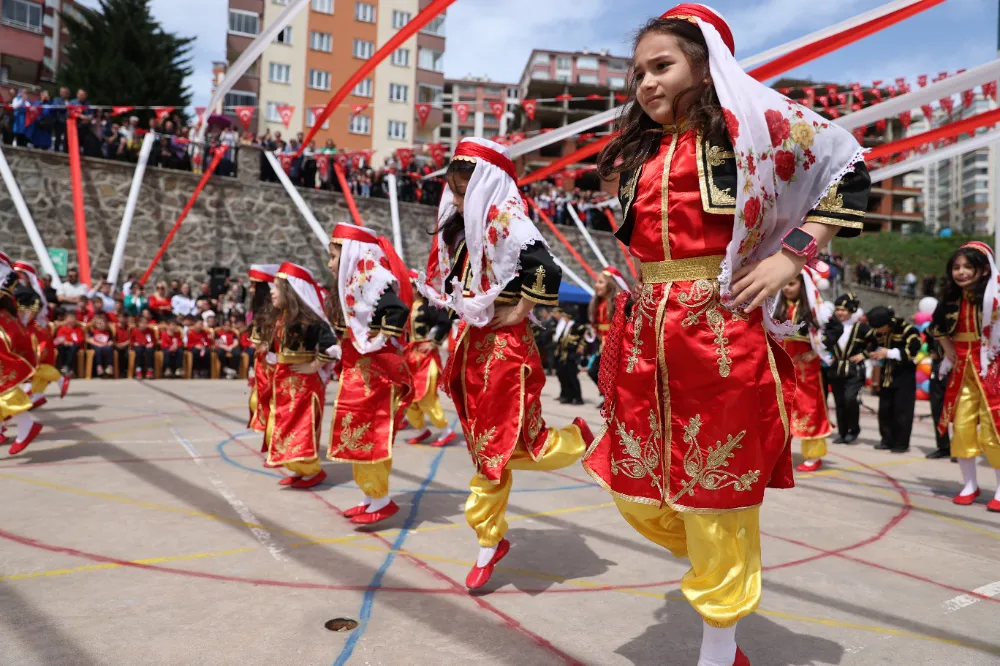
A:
300	203
568	272
397	234
960	148
133	198
586	235
27	220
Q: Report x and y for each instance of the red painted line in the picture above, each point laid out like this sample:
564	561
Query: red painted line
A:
116	461
84	425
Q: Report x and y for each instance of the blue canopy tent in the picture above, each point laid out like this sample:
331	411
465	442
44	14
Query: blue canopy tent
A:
570	293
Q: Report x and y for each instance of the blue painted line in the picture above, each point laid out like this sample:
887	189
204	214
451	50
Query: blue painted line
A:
369	598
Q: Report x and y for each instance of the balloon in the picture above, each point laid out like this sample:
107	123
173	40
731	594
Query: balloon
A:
922	317
927	304
925	366
924	349
822	284
924	386
923	395
922	376
945	233
923	327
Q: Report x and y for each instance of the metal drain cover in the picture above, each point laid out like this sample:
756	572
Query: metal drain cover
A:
341	624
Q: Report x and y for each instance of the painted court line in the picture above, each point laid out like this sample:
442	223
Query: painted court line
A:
963	600
263	536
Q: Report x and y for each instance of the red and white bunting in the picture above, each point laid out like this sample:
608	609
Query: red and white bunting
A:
517	137
423	113
990	90
832	91
906	118
968	97
285	112
810	100
620	98
121	110
163	112
358	109
928	112
245	114
785	91
405	156
462	111
530	106
565	97
947	103
342	159
497	108
922	80
595	97
315	110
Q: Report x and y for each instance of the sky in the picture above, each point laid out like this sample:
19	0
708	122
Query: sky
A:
494	38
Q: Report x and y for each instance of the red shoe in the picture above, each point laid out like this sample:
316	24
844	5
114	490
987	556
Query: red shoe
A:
993	506
3	437
38	403
588	436
809	467
444	441
355	511
741	659
150	375
303	483
17	447
966	500
479	576
65	387
138	374
419	438
289	480
365	518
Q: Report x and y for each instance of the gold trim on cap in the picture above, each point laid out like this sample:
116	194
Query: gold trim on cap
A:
682	270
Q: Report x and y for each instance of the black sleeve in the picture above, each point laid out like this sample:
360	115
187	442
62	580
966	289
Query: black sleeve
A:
911	342
845	204
325	339
540	276
944	319
866	335
832	331
391	315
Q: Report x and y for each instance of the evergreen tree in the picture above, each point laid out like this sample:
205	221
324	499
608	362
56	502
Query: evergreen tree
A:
120	55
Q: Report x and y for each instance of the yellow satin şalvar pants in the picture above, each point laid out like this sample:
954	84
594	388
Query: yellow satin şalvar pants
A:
304	467
814	448
373	478
429	405
486	507
44	375
723	583
14	402
975	434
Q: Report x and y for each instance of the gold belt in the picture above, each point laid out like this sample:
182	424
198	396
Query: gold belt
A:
294	358
965	337
682	270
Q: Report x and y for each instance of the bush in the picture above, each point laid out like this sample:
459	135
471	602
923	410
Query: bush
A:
919	254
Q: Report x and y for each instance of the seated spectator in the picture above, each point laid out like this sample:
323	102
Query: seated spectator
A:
246	344
70	338
199	344
159	302
117	315
69	292
136	301
123	338
172	344
143	339
86	311
227	348
101	298
101	341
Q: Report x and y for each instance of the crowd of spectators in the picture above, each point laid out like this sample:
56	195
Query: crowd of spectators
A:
554	201
209	320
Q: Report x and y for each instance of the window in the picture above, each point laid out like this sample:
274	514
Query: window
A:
279	2
360	125
401	57
398	92
364	12
311	119
319	80
272	114
586	62
239	98
363	89
617	66
433	95
279	73
285	36
397	130
541	75
321	41
28	15
513	93
363	49
616	82
492	91
540	59
435	27
588	79
323	6
400	19
430	60
562	78
240	22
564	62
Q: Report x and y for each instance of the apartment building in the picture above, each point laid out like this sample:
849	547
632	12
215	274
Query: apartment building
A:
480	93
320	50
32	36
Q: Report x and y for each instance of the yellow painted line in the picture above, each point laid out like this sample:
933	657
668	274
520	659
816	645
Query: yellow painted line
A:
859	468
113	565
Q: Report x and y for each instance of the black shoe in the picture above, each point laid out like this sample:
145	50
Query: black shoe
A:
576	401
937	454
882	446
954	459
563	401
840	439
900	450
851	439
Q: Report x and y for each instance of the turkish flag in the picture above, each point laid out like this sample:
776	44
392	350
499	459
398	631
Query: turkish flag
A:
947	103
120	110
990	90
785	91
405	156
968	97
517	138
564	97
498	109
502	140
832	91
358	108
824	100
530	106
877	94
810	100
285	111
906	118
892	91
620	98
834	112
31	114
880	125
423	113
245	114
286	162
316	109
922	80
163	112
323	167
859	134
928	112
901	82
437	153
462	111
342	159
595	96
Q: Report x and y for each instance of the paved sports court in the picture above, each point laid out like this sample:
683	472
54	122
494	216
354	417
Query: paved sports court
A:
141	528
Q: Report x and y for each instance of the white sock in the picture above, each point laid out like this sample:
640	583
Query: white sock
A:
377	504
366	501
62	382
996	495
812	461
968	467
23	421
718	646
485	555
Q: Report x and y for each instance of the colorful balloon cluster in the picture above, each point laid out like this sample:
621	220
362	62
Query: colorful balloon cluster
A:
922	319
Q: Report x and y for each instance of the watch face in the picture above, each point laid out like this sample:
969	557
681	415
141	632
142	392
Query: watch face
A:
798	240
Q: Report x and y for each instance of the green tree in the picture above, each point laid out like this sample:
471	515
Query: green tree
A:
120	55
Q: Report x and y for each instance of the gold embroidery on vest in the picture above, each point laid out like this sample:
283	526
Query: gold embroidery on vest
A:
643	457
707	470
703	297
643	310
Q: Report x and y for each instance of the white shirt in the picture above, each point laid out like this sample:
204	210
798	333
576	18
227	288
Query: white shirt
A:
845	337
183	306
67	290
107	303
560	329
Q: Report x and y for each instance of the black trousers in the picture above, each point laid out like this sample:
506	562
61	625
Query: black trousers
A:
847	398
895	411
143	358
229	359
569	380
938	387
173	360
66	356
104	356
594	370
201	361
122	360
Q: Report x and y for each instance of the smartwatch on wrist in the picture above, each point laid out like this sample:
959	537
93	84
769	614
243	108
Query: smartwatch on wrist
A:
800	243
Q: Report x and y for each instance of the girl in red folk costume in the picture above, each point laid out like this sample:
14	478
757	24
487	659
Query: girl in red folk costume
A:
428	327
297	333
609	283
717	173
17	364
373	301
36	320
261	279
491	266
800	304
966	325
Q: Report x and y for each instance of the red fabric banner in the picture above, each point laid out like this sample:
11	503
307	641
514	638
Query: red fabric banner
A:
832	91
954	129
286	162
216	158
497	108
79	213
928	112
423	113
163	112
346	190
810	100
245	114
922	80
968	97
405	156
285	112
530	106
437	153
947	103
121	110
906	118
316	110
461	110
